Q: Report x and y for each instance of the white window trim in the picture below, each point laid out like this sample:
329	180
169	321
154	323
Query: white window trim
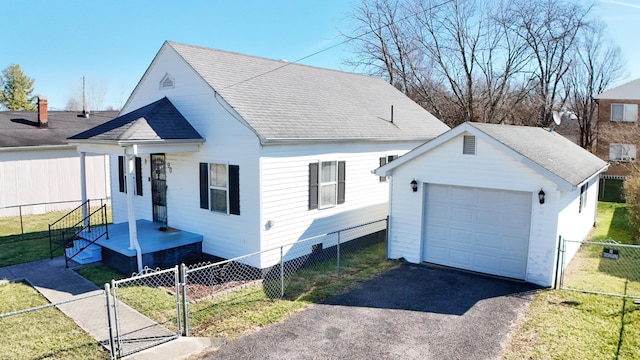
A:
333	183
583	196
629	112
212	187
631	152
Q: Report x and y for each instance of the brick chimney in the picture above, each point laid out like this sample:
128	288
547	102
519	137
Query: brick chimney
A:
43	117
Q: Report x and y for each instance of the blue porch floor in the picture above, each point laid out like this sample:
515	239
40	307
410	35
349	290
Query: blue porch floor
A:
160	249
149	237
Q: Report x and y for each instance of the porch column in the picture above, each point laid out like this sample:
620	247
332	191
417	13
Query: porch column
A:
133	229
83	189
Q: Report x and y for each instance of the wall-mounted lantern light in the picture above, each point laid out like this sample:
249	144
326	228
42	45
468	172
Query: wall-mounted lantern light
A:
541	196
414	185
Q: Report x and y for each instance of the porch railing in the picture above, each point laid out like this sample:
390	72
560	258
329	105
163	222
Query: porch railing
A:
75	226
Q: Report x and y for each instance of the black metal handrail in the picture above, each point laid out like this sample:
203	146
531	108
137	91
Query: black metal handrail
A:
74	226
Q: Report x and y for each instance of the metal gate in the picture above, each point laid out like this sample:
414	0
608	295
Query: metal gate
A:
135	331
608	267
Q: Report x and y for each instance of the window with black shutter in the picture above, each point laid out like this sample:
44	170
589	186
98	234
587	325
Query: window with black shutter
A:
326	184
220	188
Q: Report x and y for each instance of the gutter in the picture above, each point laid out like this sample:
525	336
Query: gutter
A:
36	148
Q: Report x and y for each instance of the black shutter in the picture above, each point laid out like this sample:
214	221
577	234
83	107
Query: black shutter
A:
121	181
383	161
204	186
234	189
138	176
313	186
341	182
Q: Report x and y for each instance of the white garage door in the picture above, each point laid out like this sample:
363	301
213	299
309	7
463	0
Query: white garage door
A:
477	229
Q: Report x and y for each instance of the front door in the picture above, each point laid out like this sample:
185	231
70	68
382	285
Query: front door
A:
159	188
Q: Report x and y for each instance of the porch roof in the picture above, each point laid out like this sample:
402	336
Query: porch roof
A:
158	123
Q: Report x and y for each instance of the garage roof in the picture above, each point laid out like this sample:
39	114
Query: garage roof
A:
547	152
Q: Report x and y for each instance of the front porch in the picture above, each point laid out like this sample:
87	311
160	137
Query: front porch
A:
160	248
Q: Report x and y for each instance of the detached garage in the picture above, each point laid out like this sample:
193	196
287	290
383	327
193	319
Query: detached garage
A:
492	199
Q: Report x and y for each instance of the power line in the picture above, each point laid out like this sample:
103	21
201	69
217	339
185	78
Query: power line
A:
336	45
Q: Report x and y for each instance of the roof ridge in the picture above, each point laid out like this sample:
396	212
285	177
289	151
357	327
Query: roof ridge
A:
282	63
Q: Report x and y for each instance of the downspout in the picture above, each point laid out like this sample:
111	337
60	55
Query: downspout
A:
83	190
133	229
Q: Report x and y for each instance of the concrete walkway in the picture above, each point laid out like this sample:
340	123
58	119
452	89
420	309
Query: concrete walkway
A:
86	305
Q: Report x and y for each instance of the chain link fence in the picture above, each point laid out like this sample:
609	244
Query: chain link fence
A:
45	320
154	294
607	267
284	271
156	306
24	229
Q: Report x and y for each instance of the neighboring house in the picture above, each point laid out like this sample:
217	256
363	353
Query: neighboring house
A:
253	153
618	131
493	199
38	166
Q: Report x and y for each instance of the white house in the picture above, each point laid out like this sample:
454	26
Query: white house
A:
493	199
39	171
253	153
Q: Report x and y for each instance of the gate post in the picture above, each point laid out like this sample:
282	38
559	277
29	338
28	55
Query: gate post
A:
185	313
112	347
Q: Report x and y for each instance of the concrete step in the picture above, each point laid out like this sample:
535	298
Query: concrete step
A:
93	253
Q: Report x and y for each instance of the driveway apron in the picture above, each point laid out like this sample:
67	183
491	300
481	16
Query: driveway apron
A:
411	312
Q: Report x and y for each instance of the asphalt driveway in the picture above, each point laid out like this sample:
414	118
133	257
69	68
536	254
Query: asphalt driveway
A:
411	312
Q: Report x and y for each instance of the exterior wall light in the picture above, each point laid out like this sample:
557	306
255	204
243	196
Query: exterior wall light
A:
414	185
541	196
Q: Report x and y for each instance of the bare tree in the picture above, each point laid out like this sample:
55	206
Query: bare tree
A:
73	105
550	29
598	63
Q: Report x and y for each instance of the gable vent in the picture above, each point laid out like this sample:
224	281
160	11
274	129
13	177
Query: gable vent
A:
167	82
469	145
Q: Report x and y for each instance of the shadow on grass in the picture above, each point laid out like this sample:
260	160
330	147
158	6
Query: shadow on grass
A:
17	249
620	228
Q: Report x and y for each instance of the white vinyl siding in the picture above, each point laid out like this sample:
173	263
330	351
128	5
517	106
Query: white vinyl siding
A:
622	152
624	112
49	176
492	168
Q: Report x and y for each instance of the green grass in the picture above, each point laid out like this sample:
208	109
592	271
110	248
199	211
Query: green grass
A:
245	310
17	247
562	324
40	334
100	274
612	224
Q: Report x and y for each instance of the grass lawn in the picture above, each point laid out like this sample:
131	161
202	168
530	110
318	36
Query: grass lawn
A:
40	334
562	324
18	248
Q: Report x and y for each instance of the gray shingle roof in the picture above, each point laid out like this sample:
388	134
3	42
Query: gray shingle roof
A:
281	100
20	128
627	91
157	121
549	150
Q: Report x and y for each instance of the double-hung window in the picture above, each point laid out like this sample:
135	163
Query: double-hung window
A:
218	192
622	152
624	112
220	188
122	177
326	184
